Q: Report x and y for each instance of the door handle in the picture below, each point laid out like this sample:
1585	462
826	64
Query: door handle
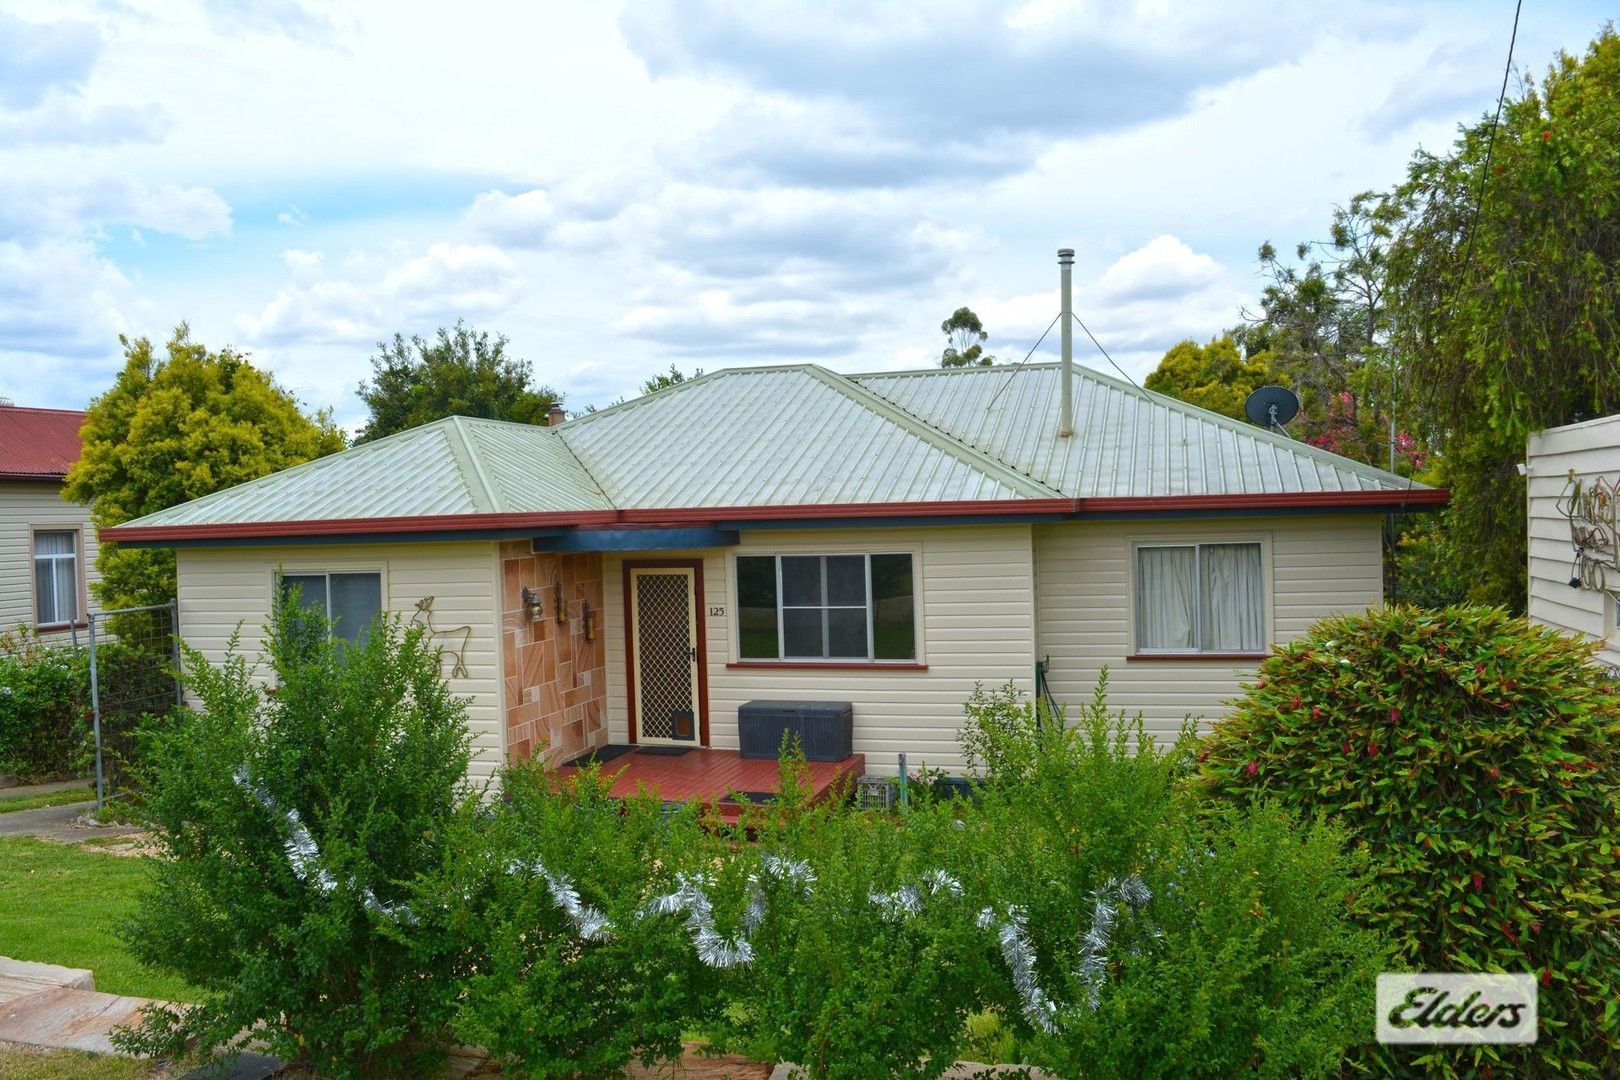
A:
692	654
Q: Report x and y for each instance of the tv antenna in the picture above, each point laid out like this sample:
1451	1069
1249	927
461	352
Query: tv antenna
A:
1272	407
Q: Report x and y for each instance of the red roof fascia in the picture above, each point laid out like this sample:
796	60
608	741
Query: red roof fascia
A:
38	444
1348	500
427	526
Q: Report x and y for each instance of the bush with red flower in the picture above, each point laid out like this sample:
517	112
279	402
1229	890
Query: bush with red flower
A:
1478	758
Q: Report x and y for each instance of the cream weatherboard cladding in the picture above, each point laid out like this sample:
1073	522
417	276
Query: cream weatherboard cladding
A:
1315	566
1592	449
977	624
27	505
223	589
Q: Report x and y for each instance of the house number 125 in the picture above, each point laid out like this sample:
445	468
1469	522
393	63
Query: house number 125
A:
716	612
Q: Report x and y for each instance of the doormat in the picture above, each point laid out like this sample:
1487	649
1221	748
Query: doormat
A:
664	751
758	798
598	756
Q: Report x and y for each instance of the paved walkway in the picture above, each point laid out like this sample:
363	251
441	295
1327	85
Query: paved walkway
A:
51	1006
18	790
58	823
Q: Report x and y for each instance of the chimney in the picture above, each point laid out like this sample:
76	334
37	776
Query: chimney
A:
1066	273
556	415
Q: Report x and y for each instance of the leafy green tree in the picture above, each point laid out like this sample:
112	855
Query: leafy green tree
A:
964	341
1505	291
176	428
459	372
1215	376
664	380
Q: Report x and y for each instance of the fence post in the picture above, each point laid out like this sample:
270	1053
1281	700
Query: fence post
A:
95	714
174	634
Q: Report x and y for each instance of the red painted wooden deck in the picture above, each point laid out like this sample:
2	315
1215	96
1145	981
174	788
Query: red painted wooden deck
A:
708	776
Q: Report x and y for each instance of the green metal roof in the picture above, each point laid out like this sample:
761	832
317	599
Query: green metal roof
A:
799	436
1127	443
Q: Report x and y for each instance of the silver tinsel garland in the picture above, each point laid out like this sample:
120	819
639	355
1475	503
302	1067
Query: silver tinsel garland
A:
718	951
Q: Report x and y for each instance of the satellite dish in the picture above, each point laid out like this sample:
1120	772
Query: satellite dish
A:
1272	407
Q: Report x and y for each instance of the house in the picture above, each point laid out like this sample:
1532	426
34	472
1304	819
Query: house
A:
636	575
47	546
1572	476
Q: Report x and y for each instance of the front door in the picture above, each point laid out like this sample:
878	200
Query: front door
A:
666	677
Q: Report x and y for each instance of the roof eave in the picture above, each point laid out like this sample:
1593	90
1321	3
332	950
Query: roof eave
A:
470	526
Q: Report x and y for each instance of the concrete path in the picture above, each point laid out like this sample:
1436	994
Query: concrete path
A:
19	978
69	1019
18	790
58	823
58	1007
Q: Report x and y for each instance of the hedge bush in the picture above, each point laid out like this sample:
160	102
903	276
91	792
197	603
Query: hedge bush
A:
291	827
848	978
1239	952
539	995
43	707
1478	758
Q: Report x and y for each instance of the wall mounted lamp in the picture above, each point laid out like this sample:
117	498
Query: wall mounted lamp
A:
531	603
562	608
587	620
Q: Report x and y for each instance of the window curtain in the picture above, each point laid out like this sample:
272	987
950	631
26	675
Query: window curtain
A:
1233	598
1166	598
56	577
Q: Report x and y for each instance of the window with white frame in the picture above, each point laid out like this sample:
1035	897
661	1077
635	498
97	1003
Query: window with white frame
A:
56	576
349	601
1193	598
826	607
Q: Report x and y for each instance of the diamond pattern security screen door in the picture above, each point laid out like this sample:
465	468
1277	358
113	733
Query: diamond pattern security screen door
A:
664	613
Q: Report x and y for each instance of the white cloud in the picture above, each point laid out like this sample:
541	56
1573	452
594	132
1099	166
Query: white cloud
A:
37	207
63	120
524	220
38	57
378	294
1163	268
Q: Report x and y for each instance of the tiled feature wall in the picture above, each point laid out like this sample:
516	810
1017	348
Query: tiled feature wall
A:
556	681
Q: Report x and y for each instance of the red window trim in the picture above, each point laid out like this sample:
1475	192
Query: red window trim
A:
827	665
1177	657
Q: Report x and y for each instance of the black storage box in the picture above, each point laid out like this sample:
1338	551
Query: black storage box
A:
825	729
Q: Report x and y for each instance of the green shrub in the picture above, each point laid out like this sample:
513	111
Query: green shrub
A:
853	975
548	994
43	708
1245	961
1478	757
1164	945
295	934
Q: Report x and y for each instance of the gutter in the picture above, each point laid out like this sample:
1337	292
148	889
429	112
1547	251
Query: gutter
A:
491	526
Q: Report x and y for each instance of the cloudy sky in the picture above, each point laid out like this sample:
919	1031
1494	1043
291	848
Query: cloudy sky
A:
622	188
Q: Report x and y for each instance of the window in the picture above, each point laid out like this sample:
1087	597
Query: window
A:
1200	598
56	577
826	607
349	601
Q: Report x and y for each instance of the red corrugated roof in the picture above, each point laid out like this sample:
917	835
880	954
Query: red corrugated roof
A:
40	443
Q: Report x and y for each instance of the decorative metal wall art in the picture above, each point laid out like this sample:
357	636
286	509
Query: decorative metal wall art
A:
1590	506
457	653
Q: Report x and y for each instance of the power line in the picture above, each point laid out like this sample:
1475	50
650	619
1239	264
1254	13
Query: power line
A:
1490	147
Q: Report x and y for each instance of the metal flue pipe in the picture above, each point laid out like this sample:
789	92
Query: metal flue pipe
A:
1066	273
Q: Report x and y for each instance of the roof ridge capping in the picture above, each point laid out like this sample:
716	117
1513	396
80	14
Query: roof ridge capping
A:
965	452
1394	481
673	388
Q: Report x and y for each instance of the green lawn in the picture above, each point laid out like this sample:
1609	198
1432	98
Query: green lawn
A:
12	803
61	905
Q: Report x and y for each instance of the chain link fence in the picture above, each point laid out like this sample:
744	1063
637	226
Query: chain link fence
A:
134	656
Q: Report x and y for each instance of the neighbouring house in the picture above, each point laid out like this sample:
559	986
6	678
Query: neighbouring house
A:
47	545
1572	476
891	540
